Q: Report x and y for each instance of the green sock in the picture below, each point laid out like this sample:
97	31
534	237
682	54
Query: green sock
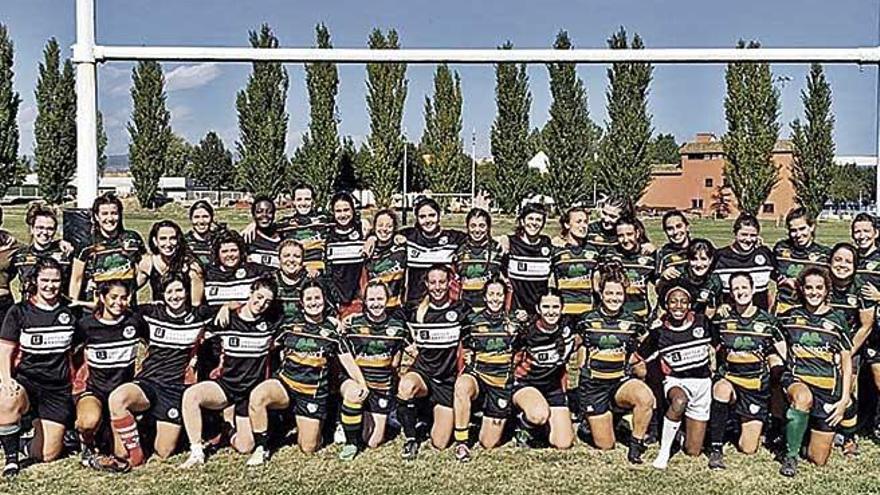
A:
795	428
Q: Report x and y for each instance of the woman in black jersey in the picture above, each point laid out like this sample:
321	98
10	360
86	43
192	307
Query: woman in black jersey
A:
680	339
540	376
229	277
344	247
202	231
437	325
428	244
387	261
169	254
611	376
110	337
478	259
39	330
174	330
302	383
246	341
42	222
114	253
263	239
528	257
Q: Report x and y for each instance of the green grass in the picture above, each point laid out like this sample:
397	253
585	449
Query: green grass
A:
507	470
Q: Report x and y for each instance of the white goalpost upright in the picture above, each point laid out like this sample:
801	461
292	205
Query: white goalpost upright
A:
87	54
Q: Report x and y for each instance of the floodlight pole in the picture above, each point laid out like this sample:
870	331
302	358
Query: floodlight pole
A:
86	105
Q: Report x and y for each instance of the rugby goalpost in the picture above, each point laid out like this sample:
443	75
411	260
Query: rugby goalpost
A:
87	54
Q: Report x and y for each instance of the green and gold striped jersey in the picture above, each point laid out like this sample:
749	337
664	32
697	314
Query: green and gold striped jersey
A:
492	341
743	344
375	345
669	256
791	260
610	341
307	349
814	346
475	265
639	270
850	301
573	268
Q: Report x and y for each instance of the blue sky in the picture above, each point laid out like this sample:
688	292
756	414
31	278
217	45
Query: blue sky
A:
684	100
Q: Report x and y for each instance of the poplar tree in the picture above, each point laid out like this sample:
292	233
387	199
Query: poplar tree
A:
812	168
149	129
441	146
9	103
211	164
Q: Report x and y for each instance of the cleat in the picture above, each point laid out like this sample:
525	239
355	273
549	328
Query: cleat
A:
11	469
850	448
196	458
523	438
410	449
789	467
259	457
348	452
339	435
636	449
716	460
109	464
462	453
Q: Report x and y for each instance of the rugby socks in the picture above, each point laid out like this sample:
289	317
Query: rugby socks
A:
408	416
261	439
462	434
9	436
718	423
670	430
126	428
795	428
526	424
351	416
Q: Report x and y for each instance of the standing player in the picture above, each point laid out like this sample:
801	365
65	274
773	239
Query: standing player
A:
203	230
574	261
671	259
169	254
602	233
794	255
42	221
262	243
387	262
746	254
344	247
528	258
639	268
308	225
478	260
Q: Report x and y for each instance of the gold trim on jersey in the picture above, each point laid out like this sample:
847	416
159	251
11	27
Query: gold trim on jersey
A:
303	388
746	383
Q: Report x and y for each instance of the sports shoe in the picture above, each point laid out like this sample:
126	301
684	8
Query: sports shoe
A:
86	456
660	462
11	469
838	441
462	453
523	438
348	453
196	458
109	464
716	460
259	457
789	467
635	451
410	449
851	448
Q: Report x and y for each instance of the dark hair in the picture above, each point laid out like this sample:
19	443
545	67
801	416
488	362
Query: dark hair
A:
848	246
565	218
438	267
864	217
348	198
389	213
672	214
104	288
103	200
36	210
172	277
478	213
495	279
746	220
527	210
813	271
745	275
675	286
228	237
551	291
43	263
423	201
261	198
203	205
799	212
375	283
698	246
267	282
179	259
612	272
641	235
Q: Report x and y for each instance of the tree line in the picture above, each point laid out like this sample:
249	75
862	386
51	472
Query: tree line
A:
584	158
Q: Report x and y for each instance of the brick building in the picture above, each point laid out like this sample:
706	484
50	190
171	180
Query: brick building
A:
697	185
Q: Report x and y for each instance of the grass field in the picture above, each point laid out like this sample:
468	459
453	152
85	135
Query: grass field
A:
508	470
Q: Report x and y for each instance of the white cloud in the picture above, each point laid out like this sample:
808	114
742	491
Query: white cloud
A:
191	76
180	113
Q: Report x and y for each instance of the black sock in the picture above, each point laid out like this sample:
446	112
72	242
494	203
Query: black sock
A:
718	423
526	424
407	416
261	439
9	436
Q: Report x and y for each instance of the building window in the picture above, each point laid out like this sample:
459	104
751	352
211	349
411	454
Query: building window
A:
710	182
697	204
697	156
768	209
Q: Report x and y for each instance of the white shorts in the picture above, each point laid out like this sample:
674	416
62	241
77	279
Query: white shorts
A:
699	395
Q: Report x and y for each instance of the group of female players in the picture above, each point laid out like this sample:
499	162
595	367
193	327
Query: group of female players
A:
317	319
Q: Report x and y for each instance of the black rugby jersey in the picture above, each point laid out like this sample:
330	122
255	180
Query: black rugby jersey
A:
375	345
307	348
245	347
25	259
573	268
610	341
263	250
759	263
815	343
600	238
791	261
116	258
639	269
424	252
544	354
492	340
868	269
344	260
475	265
437	332
388	264
743	344
44	337
110	349
683	350
172	341
224	285
310	230
527	266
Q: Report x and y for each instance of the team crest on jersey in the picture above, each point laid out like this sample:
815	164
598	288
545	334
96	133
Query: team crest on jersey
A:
760	327
545	251
502	403
699	332
353	236
644	260
624	325
390	331
704	294
312	407
189	318
852	300
451	316
64	318
814	256
760	259
173	413
827	325
240	273
129	332
262	326
383	403
754	408
325	333
444	240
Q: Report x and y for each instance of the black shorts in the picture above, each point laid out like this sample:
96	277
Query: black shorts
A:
597	396
236	397
823	399
440	392
380	402
49	402
165	400
751	405
302	405
493	401
554	394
